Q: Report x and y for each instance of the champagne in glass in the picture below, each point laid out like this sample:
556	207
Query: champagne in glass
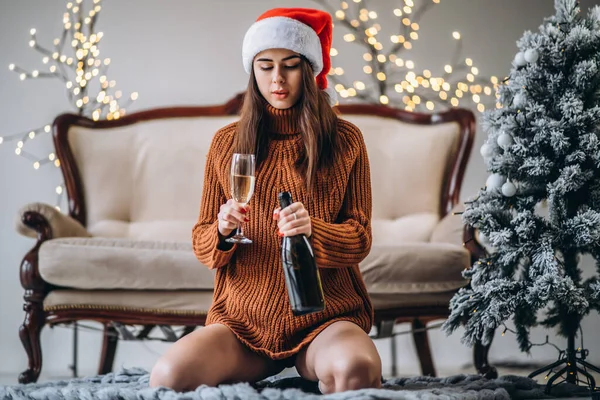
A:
242	188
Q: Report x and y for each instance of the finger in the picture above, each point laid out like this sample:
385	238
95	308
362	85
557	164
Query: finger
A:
234	216
291	228
244	209
297	216
276	213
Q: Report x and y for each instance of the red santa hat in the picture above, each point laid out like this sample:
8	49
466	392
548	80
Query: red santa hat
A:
303	30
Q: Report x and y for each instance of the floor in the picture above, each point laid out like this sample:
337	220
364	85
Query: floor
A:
11	379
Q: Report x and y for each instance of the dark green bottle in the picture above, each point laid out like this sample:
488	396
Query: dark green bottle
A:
301	273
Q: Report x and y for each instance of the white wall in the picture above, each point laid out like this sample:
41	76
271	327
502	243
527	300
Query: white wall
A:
188	52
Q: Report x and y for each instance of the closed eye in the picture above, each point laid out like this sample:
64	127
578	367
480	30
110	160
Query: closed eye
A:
286	67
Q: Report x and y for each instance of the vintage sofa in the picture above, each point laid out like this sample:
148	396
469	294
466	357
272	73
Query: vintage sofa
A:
122	255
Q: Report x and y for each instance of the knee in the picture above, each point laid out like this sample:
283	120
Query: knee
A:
353	373
167	374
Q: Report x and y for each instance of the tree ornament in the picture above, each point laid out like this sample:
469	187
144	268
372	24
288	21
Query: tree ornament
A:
509	189
505	140
531	56
487	151
494	181
520	59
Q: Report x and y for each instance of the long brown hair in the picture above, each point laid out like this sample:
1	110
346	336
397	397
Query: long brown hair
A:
323	146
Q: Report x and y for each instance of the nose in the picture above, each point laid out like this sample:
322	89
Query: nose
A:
277	75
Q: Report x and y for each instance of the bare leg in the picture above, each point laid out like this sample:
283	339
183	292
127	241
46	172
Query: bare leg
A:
341	358
211	355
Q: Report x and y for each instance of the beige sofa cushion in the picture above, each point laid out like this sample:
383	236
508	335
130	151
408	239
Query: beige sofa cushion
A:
414	268
181	302
157	186
102	263
410	228
160	169
408	162
198	302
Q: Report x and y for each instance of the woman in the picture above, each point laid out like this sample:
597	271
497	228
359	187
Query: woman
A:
300	147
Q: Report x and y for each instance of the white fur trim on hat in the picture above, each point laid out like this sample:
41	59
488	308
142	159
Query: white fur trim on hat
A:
282	33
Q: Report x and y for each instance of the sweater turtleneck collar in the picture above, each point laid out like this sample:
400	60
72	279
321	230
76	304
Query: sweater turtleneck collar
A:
283	121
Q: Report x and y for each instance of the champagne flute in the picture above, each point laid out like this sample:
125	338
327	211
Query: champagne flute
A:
242	188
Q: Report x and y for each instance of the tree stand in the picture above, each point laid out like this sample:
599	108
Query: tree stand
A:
573	365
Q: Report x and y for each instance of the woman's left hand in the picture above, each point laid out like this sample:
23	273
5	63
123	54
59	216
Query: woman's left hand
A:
293	220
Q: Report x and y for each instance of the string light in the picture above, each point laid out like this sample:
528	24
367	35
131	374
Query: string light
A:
384	64
76	71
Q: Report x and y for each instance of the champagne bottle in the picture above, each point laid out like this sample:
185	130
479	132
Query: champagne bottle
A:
301	273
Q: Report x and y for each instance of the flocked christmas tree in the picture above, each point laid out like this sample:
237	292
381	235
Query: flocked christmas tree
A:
542	153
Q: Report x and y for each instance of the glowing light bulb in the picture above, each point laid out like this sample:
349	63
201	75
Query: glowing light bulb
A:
383	99
32	32
456	35
333	52
359	85
11	67
134	96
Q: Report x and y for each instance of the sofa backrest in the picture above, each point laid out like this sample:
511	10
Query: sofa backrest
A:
141	176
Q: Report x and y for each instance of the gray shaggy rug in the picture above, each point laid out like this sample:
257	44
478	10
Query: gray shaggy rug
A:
132	384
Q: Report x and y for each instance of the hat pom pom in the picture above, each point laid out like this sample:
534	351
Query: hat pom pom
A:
332	95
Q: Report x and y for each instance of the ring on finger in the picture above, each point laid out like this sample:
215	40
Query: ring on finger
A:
295	216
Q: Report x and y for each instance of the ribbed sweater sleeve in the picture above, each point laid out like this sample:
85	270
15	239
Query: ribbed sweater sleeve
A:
348	241
206	240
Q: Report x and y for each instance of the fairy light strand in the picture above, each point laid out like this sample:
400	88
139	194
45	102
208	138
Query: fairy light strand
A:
74	59
394	78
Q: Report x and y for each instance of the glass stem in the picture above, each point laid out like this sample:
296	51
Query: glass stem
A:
240	230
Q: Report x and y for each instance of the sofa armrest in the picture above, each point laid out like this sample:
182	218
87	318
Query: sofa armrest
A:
42	221
450	228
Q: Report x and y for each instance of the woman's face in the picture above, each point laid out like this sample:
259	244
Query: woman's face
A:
279	76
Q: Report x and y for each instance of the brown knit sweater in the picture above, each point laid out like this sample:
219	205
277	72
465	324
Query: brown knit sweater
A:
250	295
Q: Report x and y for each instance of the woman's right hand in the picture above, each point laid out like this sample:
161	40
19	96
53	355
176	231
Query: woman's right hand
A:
231	215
